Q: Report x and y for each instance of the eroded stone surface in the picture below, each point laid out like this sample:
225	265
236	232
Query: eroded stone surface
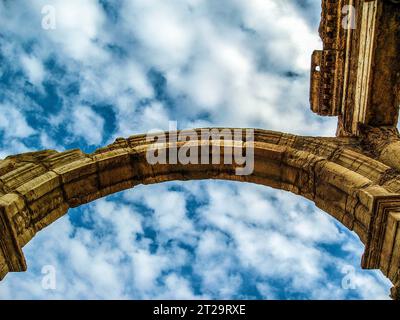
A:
342	181
354	177
357	74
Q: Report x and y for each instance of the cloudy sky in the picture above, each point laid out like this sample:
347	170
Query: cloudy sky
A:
117	68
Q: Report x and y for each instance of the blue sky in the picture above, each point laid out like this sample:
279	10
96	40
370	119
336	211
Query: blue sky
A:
117	68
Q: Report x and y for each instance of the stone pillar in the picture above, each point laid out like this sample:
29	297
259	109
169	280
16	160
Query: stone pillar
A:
382	250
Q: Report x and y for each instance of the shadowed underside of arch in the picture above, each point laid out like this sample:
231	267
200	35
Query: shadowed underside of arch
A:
362	193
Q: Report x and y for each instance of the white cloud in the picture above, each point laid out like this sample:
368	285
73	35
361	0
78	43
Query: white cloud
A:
87	124
111	254
146	269
78	27
13	123
34	69
162	30
226	61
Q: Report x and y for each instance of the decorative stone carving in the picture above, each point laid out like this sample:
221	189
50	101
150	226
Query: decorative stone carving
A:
357	74
354	177
328	64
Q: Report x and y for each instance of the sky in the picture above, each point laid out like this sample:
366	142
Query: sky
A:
108	69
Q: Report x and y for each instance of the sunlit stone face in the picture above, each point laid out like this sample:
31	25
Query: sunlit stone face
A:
75	76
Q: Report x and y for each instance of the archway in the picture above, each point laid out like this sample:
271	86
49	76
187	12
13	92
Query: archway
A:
362	193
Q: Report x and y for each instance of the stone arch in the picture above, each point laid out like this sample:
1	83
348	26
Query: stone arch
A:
362	193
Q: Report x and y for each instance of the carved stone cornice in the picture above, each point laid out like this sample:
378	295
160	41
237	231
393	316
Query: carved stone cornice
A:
327	67
357	74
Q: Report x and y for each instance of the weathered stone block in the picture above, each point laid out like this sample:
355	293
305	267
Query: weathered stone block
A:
51	216
6	166
114	166
39	186
10	248
112	159
269	151
348	221
390	256
60	159
51	200
76	170
362	215
361	231
22	174
365	166
392	185
369	195
124	185
329	207
340	177
3	265
330	193
80	188
267	168
115	175
15	209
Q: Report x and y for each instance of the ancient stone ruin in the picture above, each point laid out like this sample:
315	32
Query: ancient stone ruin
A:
354	177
